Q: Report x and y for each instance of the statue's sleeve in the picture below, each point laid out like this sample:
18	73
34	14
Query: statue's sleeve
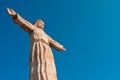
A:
55	44
24	24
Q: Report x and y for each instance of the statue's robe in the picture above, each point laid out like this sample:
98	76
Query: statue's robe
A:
42	65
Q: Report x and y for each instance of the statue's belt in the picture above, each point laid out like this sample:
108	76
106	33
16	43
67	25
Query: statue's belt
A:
38	40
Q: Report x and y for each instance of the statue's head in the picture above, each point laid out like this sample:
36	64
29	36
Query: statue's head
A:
39	24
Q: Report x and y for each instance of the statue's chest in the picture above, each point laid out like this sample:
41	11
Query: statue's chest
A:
39	34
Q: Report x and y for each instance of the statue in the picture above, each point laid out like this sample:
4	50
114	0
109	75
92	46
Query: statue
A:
42	65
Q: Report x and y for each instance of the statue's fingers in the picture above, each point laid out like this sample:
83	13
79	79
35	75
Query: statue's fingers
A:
64	49
11	10
8	10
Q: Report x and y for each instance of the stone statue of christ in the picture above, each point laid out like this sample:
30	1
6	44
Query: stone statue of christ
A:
42	66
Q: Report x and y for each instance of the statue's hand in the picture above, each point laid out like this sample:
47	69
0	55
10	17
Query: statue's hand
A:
11	12
64	49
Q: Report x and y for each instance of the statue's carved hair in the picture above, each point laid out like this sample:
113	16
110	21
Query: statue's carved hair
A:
39	21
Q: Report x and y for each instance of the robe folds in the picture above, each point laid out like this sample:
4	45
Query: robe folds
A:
42	66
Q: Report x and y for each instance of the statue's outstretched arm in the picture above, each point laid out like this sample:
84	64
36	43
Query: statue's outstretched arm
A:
27	26
55	44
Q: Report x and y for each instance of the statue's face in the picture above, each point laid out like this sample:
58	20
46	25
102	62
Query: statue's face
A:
39	24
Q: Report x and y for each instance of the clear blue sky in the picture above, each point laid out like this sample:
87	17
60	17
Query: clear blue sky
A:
89	30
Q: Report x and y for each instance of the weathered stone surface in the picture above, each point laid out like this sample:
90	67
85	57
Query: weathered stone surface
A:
42	65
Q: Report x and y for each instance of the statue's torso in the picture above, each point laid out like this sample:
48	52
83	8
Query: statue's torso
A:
38	34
